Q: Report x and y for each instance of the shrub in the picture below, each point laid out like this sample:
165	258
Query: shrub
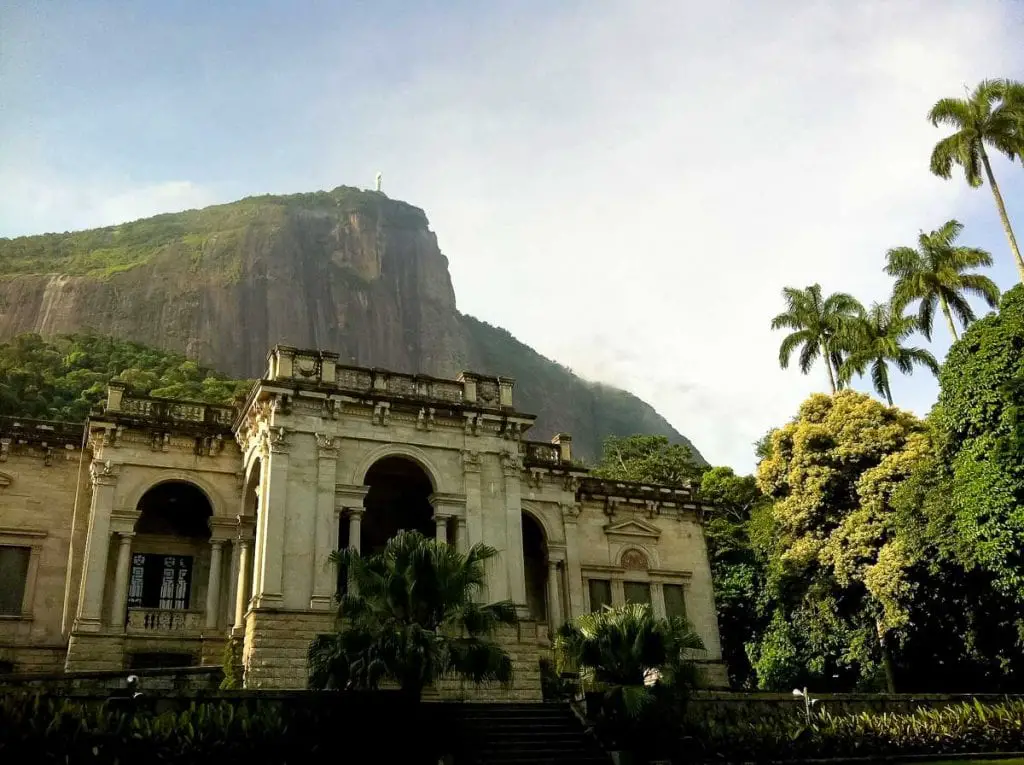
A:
956	729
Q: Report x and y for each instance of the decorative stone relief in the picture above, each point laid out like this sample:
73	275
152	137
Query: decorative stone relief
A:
425	419
471	461
382	413
278	439
634	560
472	420
570	510
5	449
511	464
104	473
327	444
570	483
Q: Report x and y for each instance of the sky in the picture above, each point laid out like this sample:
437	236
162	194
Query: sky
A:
624	186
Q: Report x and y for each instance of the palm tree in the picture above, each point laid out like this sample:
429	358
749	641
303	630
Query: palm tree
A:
934	274
1014	100
634	659
876	340
817	324
985	118
410	618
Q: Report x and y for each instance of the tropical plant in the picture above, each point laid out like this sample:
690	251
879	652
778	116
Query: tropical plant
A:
640	666
817	324
935	274
647	459
875	340
990	117
410	617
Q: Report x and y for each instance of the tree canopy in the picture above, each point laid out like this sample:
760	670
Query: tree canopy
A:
66	376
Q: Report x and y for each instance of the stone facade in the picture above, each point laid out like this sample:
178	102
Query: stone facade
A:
167	526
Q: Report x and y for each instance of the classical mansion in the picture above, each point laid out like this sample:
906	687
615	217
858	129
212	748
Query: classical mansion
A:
160	528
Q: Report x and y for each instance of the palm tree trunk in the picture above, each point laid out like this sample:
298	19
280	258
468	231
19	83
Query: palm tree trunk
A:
949	318
1002	214
828	366
888	395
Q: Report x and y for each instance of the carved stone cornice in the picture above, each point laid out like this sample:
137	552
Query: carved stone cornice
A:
123	521
349	496
570	511
448	504
511	464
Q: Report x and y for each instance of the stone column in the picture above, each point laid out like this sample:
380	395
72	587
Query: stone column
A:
274	508
244	574
441	527
515	568
124	566
325	579
97	546
461	542
355	528
213	584
554	596
233	576
657	600
576	603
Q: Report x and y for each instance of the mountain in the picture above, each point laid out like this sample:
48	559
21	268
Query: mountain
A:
348	270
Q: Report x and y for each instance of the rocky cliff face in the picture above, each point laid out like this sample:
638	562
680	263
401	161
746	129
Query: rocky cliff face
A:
347	270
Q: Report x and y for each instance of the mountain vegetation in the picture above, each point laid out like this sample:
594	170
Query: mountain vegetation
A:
66	377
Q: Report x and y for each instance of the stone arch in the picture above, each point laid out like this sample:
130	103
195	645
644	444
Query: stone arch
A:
217	504
407	451
536	553
553	534
399	496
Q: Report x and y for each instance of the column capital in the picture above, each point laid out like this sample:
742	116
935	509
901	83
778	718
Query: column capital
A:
354	512
104	472
350	495
126	536
123	521
448	504
217	543
327	446
222	529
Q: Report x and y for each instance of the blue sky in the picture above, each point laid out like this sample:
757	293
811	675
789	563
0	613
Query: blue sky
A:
625	186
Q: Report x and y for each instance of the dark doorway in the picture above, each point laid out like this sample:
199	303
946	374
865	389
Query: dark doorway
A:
175	509
536	568
399	498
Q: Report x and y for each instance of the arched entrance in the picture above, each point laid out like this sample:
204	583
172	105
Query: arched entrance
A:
170	552
535	565
398	499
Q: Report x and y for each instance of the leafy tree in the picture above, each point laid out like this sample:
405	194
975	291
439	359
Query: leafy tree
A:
978	417
65	377
988	117
935	274
636	661
817	325
737	570
875	340
647	459
410	617
836	567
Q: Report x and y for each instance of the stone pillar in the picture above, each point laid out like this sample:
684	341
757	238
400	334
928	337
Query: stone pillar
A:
355	528
657	600
124	565
441	527
325	578
471	470
233	577
576	604
461	543
273	511
242	593
554	596
515	568
97	546
213	584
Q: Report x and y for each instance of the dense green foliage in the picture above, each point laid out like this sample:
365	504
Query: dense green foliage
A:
65	377
647	459
637	670
410	617
974	728
208	239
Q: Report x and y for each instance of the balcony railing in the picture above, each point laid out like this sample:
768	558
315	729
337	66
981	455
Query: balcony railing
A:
165	621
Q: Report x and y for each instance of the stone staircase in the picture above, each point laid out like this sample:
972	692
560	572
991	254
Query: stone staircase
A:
536	733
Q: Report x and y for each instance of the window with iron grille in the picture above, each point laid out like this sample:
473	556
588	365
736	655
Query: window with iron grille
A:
160	581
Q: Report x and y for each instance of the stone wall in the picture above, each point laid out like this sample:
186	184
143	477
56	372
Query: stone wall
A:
37	510
176	681
277	646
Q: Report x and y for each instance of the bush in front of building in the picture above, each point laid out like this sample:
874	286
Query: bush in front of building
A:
963	728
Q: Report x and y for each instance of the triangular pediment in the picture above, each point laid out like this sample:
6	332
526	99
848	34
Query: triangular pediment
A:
633	529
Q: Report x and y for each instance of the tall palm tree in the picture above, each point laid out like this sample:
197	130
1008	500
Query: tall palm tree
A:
875	340
410	618
817	323
1014	100
986	118
934	274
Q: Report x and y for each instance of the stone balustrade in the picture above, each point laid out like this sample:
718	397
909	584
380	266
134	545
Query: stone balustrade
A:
121	401
165	621
541	453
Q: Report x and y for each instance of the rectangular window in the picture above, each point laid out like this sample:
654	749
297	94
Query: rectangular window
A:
600	593
160	581
13	578
675	602
637	592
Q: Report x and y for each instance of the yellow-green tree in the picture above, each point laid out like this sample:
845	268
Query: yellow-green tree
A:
837	564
